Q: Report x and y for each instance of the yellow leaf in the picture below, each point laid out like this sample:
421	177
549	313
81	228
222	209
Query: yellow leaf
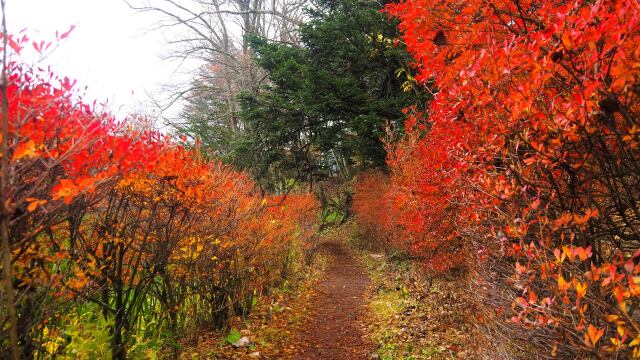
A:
581	289
562	283
611	317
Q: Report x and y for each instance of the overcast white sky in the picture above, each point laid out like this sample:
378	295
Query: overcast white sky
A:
111	50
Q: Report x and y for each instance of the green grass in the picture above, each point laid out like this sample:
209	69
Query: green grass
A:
391	296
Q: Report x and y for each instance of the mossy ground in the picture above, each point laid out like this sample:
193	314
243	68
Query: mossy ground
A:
413	318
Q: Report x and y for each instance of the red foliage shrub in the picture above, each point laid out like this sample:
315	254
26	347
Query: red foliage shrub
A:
530	156
412	209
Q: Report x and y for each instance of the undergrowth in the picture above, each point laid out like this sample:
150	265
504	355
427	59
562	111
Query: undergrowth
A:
412	316
272	324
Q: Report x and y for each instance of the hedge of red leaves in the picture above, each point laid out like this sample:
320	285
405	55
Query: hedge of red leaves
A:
131	221
529	156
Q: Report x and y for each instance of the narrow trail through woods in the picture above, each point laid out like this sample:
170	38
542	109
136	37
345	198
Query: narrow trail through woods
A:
336	327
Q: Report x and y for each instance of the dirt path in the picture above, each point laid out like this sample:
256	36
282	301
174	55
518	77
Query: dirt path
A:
336	328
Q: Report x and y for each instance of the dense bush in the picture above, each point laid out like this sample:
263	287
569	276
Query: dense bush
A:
121	238
527	163
372	213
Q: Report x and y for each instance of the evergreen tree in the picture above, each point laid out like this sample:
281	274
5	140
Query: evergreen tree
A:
324	106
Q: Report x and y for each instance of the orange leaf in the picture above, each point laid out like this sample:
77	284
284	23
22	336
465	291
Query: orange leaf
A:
24	149
34	203
583	253
32	206
593	335
566	40
65	190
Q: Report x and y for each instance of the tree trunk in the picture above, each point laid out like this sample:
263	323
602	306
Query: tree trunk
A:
118	350
4	202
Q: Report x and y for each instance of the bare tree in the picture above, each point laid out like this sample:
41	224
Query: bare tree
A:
214	32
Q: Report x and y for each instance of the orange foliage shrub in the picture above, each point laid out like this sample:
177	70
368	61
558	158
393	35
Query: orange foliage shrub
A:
131	220
372	211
